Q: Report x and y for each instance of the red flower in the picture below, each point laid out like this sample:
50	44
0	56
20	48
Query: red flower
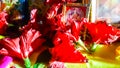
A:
64	50
53	11
102	33
76	29
3	22
55	17
22	46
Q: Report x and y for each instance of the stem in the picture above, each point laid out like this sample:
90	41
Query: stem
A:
27	63
94	46
80	42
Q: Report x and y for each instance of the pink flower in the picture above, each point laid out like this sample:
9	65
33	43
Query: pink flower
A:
5	61
57	64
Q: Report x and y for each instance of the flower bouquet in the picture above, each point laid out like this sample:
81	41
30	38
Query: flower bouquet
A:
38	34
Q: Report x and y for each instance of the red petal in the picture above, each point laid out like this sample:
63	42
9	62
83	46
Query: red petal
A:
3	51
29	41
12	46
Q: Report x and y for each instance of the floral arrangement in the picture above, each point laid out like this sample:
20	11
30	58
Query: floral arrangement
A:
26	28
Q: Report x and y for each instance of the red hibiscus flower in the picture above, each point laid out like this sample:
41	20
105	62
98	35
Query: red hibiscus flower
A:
22	46
64	50
102	33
